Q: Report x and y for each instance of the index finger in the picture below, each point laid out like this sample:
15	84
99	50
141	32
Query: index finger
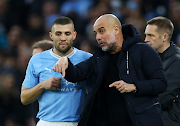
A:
63	71
114	84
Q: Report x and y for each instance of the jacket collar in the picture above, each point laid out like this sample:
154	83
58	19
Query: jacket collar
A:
173	49
131	36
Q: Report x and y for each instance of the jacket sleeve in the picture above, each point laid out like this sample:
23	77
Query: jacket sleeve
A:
173	81
80	71
151	65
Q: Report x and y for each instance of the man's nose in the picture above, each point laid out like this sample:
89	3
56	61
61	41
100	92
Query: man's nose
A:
63	37
146	39
98	37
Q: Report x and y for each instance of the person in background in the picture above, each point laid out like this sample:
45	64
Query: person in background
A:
125	76
159	31
60	101
41	46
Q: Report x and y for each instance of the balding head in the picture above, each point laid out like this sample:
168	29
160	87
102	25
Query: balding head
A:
109	19
107	29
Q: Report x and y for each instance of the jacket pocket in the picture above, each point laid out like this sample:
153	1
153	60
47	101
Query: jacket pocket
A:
145	106
149	113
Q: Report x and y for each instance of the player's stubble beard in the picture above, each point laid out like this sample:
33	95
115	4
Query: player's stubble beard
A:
64	50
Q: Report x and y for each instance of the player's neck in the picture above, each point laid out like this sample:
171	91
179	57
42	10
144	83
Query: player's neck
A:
62	53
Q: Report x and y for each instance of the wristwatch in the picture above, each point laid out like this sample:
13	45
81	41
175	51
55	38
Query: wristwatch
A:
135	90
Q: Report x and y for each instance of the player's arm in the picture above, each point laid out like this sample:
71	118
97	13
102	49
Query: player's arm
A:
30	95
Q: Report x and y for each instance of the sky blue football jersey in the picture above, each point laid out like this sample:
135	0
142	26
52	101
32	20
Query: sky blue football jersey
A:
56	106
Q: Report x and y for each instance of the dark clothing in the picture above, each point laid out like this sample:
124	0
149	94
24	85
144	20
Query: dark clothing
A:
113	98
171	63
35	107
138	64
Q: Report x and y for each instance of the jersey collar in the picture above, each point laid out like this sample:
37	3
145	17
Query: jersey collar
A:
58	57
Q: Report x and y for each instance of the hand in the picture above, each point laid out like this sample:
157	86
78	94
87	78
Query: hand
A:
61	66
52	84
123	87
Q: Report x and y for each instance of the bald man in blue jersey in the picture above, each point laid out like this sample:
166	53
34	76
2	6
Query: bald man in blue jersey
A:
60	101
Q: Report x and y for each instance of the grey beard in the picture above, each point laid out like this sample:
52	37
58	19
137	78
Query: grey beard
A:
111	48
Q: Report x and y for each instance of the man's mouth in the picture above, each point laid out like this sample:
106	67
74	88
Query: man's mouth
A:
101	43
148	43
63	44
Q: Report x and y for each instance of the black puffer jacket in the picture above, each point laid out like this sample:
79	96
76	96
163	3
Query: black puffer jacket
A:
139	64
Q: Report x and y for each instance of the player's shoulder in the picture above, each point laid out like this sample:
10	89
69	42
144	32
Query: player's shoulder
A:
82	52
40	56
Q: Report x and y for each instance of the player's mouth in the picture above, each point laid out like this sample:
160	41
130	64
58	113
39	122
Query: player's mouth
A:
63	44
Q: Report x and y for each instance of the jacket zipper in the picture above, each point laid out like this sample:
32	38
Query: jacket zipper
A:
127	67
153	105
129	105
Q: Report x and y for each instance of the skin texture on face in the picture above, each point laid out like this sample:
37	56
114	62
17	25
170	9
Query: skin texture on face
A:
36	50
153	38
62	36
106	29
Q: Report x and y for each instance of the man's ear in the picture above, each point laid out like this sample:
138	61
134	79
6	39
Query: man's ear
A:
165	37
75	34
50	35
116	29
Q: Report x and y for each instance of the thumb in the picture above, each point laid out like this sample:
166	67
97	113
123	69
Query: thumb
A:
58	79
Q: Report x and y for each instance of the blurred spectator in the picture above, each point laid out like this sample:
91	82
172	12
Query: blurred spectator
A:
33	6
23	55
135	16
35	27
13	38
86	46
8	63
81	7
41	46
12	112
11	13
3	37
174	13
103	7
50	11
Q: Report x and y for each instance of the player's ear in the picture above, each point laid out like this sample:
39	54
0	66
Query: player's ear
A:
74	35
50	35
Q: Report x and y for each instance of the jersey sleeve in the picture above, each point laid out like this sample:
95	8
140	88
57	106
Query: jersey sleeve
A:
31	78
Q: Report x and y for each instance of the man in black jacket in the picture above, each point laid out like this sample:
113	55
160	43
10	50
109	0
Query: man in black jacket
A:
158	32
125	77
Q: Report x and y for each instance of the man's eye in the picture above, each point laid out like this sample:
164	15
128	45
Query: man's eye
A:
58	34
68	33
101	31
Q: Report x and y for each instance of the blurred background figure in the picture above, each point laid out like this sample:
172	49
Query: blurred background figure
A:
41	46
12	112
